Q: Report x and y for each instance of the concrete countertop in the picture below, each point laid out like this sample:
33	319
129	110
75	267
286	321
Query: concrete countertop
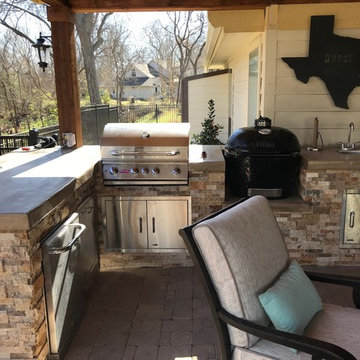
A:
329	159
34	182
210	161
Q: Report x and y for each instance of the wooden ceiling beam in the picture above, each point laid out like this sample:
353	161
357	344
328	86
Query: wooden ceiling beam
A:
174	5
162	5
55	3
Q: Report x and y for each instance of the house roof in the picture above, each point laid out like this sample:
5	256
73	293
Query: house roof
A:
135	81
144	74
153	71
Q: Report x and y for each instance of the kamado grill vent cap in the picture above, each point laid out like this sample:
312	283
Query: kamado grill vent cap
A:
263	122
262	139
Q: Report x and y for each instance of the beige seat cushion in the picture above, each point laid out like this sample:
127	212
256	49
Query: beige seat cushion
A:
245	253
335	324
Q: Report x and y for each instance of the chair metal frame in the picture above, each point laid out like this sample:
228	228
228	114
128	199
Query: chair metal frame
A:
316	348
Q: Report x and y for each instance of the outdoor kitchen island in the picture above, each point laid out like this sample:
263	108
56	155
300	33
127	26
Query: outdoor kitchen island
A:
39	190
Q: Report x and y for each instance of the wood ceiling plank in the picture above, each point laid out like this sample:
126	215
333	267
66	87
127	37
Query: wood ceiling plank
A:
52	2
163	5
171	5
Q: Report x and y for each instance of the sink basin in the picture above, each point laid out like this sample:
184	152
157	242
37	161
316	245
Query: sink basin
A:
349	151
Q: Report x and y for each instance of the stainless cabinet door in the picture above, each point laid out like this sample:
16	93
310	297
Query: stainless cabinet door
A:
126	224
351	220
165	218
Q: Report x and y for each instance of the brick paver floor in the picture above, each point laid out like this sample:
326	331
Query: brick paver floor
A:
159	314
146	314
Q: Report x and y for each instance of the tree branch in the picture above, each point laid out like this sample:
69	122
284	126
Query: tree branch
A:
28	12
16	31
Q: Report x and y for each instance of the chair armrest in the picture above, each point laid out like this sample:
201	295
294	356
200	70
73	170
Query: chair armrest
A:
345	280
317	348
334	278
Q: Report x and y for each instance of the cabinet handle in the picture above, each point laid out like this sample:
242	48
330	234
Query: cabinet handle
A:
67	247
140	225
153	224
352	219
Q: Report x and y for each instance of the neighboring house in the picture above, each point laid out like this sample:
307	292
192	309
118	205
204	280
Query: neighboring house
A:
143	82
251	44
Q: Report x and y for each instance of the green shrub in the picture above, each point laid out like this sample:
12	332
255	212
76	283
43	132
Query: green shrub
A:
209	134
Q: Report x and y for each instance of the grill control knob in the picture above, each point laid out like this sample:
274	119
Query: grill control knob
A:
155	171
134	171
176	171
144	171
113	170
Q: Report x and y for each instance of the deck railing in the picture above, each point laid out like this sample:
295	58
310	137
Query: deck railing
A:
12	142
94	118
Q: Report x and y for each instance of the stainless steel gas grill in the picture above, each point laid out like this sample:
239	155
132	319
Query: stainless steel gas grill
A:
145	154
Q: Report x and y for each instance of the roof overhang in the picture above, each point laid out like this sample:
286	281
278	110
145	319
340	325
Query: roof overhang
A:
227	31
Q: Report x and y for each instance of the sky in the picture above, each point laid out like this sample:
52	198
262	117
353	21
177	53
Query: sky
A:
135	21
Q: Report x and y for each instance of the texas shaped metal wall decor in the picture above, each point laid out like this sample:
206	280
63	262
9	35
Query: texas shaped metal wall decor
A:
334	59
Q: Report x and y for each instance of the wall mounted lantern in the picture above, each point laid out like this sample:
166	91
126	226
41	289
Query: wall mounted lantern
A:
43	51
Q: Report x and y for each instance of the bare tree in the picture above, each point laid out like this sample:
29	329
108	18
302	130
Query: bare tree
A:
162	49
90	28
118	57
188	29
197	56
22	95
11	12
180	43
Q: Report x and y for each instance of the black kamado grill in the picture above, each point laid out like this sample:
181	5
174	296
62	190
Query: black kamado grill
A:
262	160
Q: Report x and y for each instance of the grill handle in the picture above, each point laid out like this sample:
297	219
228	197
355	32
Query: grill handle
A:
144	153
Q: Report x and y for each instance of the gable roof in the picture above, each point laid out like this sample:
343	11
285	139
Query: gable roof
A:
135	81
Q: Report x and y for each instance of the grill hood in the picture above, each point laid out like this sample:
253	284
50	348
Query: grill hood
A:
262	139
140	153
141	135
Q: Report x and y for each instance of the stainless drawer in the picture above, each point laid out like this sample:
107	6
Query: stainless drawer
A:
350	219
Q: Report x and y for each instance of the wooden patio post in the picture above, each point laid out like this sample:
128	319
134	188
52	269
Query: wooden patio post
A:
66	76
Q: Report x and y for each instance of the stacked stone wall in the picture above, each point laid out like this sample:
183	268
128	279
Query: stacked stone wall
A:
23	332
313	236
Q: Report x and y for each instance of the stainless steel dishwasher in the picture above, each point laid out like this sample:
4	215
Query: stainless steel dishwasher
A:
63	284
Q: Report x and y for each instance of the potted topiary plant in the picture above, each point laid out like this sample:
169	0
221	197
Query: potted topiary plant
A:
209	134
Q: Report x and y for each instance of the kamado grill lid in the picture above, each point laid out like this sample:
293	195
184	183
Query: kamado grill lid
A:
262	139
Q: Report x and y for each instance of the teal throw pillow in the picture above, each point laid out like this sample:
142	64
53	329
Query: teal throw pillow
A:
292	301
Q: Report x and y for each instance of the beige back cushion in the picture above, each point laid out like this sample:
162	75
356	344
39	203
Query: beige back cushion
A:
244	253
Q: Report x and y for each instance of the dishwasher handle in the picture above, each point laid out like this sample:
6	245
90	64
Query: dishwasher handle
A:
67	247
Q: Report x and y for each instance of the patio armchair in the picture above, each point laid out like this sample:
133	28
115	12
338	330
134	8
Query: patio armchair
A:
243	262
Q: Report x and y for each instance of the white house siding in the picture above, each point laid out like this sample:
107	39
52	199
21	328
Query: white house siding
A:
139	92
239	65
293	104
200	91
